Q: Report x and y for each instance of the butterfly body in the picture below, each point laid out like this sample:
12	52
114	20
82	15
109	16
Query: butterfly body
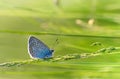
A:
37	49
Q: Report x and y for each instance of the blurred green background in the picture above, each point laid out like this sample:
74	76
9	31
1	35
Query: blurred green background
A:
75	23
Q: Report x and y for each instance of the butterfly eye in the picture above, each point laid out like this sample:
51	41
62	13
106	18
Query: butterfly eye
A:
52	51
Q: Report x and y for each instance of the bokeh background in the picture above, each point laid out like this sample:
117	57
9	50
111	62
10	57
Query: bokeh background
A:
75	23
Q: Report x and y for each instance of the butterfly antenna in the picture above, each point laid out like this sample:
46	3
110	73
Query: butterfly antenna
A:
55	43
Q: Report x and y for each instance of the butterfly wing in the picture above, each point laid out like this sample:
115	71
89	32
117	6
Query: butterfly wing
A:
37	49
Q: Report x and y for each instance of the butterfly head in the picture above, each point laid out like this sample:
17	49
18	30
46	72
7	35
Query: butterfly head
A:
52	50
50	54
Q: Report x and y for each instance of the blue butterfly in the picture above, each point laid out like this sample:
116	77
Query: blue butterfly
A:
37	49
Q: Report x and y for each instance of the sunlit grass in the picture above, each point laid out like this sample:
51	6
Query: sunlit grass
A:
73	57
110	50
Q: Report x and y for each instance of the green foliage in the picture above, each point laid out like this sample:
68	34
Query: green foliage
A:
81	27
